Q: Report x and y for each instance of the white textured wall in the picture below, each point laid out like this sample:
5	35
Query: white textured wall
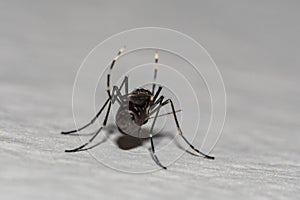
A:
256	46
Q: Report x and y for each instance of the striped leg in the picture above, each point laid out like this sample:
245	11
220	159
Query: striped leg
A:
90	123
155	158
110	70
80	148
116	95
155	71
116	92
180	132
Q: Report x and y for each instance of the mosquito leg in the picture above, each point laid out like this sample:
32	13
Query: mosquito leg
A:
155	106
93	146
156	94
180	132
116	93
156	101
165	114
90	123
154	155
125	83
114	97
203	154
151	139
90	140
155	71
110	70
96	133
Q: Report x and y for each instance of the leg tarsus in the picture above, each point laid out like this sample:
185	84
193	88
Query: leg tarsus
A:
152	143
110	69
180	132
154	155
90	123
85	149
85	144
96	133
198	151
156	160
116	92
155	71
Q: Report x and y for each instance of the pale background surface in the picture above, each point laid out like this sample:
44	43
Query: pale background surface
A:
256	46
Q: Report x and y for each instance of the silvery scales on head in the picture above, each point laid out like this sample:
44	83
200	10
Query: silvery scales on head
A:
136	108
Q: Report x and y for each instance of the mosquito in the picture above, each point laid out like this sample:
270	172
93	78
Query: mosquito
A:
135	109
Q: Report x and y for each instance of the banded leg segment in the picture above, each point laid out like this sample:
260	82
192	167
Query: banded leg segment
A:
155	71
110	70
88	124
157	94
116	93
169	101
95	134
155	158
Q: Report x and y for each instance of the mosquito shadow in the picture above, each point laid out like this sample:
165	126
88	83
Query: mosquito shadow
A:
127	142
